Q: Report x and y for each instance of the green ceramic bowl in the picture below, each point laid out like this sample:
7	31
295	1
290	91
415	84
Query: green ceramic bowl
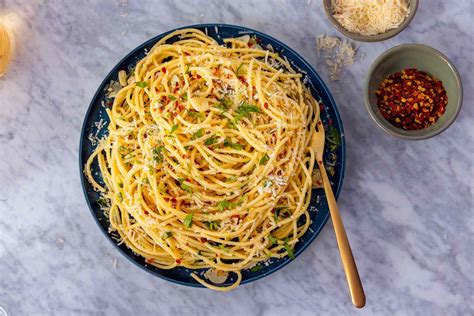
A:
371	38
423	58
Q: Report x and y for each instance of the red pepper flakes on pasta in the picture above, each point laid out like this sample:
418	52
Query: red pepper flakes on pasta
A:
411	99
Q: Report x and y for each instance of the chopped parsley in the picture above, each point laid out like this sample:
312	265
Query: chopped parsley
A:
228	143
195	114
103	202
197	134
188	220
256	268
142	84
244	110
333	138
166	235
158	154
187	69
283	211
185	96
264	159
288	249
172	97
210	141
231	179
222	205
224	104
173	129
184	186
237	72
212	225
272	240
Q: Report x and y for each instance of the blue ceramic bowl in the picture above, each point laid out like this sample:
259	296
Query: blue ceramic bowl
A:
334	153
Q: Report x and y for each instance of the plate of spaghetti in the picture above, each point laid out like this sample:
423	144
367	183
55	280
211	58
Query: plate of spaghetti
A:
195	158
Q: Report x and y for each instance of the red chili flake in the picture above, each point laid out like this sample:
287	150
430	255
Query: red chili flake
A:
411	99
184	156
265	105
198	76
146	212
149	260
235	216
242	79
187	54
321	107
178	261
330	122
163	70
203	239
258	40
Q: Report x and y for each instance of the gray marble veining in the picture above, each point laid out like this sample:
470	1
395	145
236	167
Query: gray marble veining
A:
407	206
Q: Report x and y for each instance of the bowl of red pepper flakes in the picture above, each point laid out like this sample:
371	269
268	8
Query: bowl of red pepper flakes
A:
413	91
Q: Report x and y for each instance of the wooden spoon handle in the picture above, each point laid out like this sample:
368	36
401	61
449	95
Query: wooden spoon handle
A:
350	268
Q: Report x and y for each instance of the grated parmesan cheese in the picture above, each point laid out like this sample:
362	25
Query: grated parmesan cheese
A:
369	17
337	54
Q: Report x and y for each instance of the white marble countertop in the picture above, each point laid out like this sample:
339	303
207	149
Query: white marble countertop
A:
407	206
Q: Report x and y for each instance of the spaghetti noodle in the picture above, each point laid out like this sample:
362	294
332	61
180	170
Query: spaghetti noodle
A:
207	162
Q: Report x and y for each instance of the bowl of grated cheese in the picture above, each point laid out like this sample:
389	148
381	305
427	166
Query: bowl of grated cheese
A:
368	20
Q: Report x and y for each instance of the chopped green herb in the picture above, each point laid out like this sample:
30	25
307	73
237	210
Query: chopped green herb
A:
224	104
264	159
228	143
281	211
167	235
237	72
333	138
187	69
212	225
184	186
146	181
256	268
272	240
173	129
185	96
172	97
195	114
244	110
231	179
288	249
210	141
197	134
142	84
222	205
187	147
103	202
158	154
188	220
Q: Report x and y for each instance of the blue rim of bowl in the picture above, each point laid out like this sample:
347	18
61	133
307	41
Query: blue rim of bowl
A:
244	30
372	112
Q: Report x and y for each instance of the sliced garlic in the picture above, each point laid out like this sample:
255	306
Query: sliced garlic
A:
244	38
122	76
199	104
216	276
6	48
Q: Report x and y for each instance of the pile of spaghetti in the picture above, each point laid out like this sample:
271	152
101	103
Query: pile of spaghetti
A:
207	162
